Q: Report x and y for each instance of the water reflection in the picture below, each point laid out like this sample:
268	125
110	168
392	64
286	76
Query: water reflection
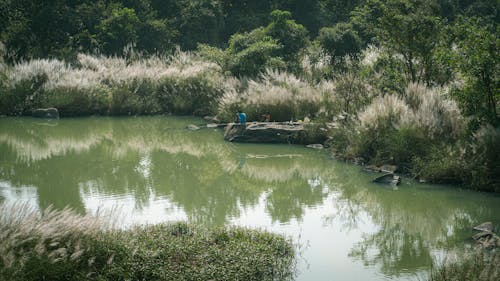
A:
155	170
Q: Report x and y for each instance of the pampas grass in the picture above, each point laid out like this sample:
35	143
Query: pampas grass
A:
181	83
62	245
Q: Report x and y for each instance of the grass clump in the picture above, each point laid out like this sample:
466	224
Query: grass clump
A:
180	84
62	245
476	266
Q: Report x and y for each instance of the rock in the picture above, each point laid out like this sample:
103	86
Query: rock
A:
211	119
264	132
485	227
483	235
315	146
216	125
192	127
51	113
388	179
489	242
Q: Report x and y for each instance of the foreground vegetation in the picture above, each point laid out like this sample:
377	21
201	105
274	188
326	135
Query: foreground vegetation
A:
62	245
476	266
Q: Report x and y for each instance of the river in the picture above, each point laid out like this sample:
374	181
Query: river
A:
152	170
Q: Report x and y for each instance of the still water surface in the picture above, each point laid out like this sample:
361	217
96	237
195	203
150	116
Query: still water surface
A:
154	170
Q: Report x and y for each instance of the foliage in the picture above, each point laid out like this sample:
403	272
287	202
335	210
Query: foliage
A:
285	96
395	130
403	27
340	41
477	265
62	245
476	58
181	84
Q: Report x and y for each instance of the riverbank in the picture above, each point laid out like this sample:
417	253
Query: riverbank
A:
63	245
420	130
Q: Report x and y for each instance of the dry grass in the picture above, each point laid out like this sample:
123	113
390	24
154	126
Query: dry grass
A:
62	245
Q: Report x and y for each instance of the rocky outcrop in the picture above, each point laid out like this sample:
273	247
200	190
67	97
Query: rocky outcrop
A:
388	179
265	132
486	238
315	146
50	113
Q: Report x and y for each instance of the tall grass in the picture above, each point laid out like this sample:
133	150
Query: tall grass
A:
62	245
181	84
396	129
284	95
475	266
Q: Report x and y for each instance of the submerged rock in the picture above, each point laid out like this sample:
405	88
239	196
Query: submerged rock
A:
388	179
211	119
51	113
315	146
486	226
265	132
192	127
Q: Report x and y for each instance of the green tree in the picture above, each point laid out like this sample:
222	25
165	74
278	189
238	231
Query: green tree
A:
251	53
118	30
340	41
409	28
289	34
476	57
200	22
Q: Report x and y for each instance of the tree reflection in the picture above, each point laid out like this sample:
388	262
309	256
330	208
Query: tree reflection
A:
146	157
213	181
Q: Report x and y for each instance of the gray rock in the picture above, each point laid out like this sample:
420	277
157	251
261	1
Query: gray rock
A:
51	113
265	132
483	235
486	227
192	127
211	119
388	179
315	146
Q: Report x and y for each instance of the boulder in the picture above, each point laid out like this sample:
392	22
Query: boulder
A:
264	132
315	146
51	113
388	179
211	119
192	127
485	227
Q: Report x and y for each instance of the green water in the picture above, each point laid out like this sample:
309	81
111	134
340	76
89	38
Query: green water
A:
154	170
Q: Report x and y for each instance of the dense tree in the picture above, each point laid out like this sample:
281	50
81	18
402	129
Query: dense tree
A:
476	57
340	41
409	28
